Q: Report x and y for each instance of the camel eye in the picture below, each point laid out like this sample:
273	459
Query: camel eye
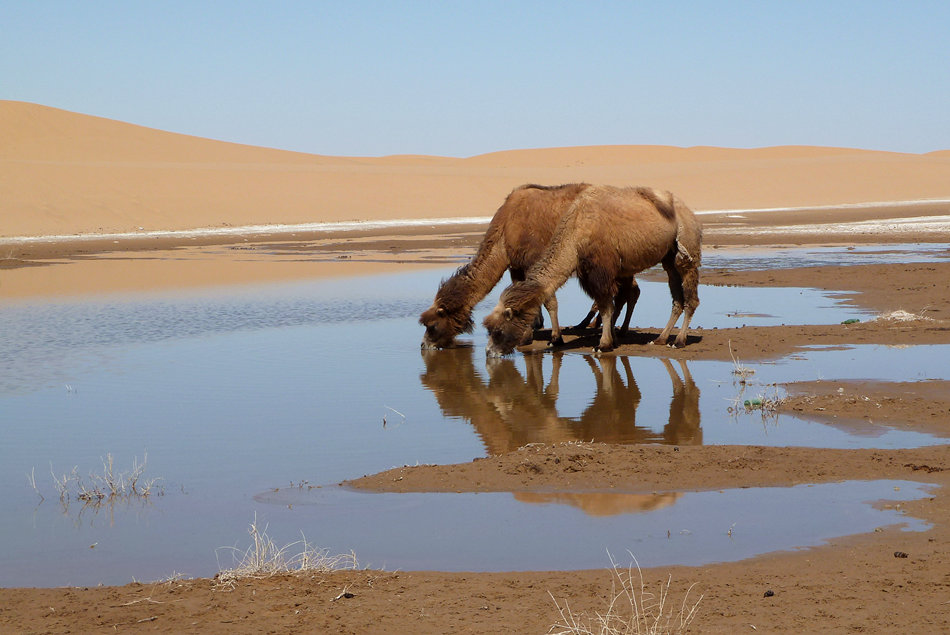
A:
440	312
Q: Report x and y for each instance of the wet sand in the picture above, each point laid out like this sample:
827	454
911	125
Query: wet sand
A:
114	178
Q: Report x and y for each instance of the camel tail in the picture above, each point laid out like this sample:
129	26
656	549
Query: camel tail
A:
689	233
688	230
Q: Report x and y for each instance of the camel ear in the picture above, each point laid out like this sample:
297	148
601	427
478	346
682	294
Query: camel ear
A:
440	312
509	313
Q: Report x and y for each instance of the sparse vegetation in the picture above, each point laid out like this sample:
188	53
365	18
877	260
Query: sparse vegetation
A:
904	316
32	479
109	486
738	369
264	559
632	608
766	403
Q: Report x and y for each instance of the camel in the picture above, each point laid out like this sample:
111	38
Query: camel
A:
607	236
517	235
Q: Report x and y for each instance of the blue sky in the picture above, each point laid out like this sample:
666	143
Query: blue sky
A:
459	79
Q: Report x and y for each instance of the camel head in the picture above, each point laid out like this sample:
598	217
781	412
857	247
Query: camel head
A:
443	324
449	314
511	322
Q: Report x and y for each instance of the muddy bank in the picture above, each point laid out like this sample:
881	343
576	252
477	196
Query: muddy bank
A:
595	467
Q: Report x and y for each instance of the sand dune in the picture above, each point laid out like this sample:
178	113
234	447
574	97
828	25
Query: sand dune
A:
66	173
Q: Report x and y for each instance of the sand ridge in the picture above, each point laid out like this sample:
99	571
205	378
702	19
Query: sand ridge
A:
65	173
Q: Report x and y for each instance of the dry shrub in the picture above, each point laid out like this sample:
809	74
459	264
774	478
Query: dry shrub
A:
901	315
264	559
632	609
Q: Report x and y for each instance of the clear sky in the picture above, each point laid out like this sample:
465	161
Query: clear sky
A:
463	78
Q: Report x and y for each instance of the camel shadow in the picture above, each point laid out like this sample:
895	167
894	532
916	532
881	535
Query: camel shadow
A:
581	338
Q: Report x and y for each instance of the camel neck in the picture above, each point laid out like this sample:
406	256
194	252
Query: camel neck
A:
555	267
485	270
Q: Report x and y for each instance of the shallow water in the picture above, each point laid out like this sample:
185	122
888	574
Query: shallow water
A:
782	257
576	531
240	391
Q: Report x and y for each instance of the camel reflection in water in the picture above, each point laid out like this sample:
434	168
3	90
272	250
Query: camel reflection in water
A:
511	410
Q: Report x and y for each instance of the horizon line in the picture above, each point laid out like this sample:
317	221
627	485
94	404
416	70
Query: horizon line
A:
361	225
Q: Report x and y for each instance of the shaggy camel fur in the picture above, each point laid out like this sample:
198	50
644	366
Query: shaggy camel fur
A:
609	235
518	234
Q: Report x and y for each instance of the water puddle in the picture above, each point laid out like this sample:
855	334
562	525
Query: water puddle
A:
446	532
781	257
235	392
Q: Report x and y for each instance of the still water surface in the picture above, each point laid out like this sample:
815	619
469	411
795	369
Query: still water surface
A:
236	392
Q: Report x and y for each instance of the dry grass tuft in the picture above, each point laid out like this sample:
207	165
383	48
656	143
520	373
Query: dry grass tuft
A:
632	609
264	559
903	316
738	369
766	403
108	487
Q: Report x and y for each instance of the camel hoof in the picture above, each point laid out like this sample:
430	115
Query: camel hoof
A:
556	342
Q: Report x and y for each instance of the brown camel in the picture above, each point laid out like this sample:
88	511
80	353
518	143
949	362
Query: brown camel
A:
516	237
607	236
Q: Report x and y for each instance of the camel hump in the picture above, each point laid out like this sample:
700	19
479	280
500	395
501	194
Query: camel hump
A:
550	188
661	199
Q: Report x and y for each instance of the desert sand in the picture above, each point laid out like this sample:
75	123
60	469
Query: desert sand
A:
63	174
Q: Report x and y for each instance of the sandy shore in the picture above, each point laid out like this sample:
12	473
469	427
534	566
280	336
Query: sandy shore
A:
860	583
58	266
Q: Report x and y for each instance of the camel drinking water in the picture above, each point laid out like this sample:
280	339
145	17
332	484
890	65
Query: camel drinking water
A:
607	236
516	237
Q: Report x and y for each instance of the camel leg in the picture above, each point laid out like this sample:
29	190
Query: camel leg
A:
599	281
551	305
607	326
585	323
628	295
676	290
630	292
690	286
